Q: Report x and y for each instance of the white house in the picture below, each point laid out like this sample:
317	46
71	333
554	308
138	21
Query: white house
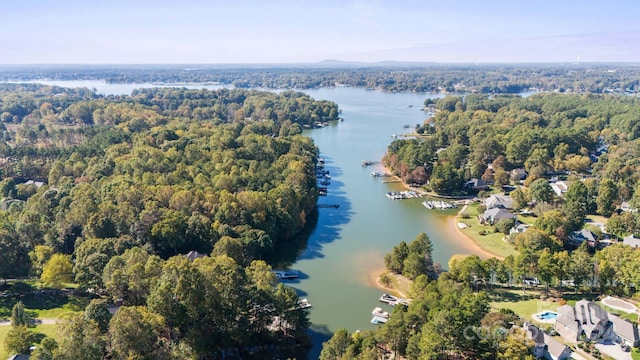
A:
559	187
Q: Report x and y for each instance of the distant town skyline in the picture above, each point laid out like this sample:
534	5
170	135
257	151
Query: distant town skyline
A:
287	31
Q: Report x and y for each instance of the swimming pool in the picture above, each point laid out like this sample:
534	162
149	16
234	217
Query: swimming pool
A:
546	316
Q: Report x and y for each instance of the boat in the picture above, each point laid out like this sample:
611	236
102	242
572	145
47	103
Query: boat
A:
440	205
389	299
286	274
378	312
325	182
378	320
303	303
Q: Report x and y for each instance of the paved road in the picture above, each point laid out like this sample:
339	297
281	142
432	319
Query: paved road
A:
38	321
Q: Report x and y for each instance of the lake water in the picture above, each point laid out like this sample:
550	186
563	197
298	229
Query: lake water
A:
345	249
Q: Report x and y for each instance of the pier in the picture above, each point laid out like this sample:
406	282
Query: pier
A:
321	206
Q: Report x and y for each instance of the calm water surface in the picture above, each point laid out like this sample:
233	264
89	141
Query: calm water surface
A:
346	247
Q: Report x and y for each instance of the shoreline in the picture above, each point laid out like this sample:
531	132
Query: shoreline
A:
374	278
467	241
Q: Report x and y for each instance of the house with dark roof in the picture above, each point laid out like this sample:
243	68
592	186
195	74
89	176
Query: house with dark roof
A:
545	346
476	184
19	357
578	237
494	215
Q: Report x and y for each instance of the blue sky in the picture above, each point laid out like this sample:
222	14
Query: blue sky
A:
284	31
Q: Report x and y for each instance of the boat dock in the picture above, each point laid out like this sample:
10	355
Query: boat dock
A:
439	204
392	300
323	206
379	316
401	195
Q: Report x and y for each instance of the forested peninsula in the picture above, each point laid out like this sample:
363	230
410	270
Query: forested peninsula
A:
111	192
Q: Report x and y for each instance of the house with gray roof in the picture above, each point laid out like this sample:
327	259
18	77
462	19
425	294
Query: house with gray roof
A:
546	347
632	241
625	331
494	215
499	201
585	319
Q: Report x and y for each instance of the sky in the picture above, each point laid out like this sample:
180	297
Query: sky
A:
301	31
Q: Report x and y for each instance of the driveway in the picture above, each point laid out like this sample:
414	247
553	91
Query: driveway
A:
614	351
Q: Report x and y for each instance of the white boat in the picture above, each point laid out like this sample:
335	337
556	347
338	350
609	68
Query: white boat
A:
286	274
378	320
303	303
389	299
378	312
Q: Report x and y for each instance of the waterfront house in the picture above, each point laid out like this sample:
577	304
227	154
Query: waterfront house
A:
476	185
492	216
499	201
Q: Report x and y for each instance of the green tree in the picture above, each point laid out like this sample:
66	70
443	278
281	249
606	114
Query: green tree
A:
39	257
414	265
98	312
57	271
582	266
79	339
505	225
394	261
19	339
19	316
607	197
576	203
46	349
520	198
136	333
541	191
337	346
445	179
546	267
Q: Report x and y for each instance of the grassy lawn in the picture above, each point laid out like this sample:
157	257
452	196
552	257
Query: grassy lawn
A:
43	305
50	330
635	354
491	242
524	304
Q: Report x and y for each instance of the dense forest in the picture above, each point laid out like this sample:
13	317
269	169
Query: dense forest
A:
489	136
416	77
115	190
